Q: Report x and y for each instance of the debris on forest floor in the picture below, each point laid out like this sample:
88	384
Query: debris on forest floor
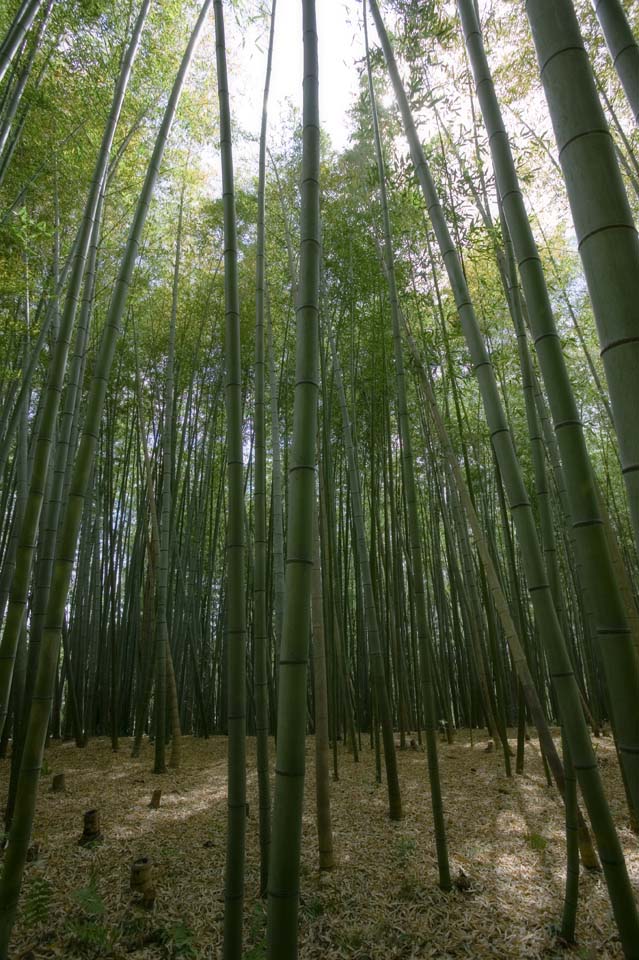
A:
381	902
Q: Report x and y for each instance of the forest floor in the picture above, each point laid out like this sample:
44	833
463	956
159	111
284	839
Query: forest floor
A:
381	902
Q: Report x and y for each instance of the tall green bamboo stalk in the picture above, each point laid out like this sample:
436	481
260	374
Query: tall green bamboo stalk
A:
26	14
276	492
623	48
259	588
235	629
606	233
414	525
283	881
322	749
164	673
375	652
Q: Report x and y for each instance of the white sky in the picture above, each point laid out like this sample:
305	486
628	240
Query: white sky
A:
341	45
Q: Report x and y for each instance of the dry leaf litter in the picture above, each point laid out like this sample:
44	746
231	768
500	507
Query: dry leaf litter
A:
381	902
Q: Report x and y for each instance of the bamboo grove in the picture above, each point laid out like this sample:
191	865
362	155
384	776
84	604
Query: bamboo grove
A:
343	446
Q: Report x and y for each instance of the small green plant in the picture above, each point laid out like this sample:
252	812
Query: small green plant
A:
313	908
256	926
89	899
87	934
408	889
37	903
135	928
257	920
179	942
406	847
351	938
536	841
89	937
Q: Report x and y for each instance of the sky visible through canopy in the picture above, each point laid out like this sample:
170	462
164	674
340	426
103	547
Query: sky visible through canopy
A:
341	45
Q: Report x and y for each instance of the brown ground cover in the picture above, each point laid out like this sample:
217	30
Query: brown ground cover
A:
380	903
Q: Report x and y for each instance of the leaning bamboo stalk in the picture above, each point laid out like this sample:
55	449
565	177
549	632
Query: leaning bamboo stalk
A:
17	31
9	113
322	748
623	48
604	225
511	634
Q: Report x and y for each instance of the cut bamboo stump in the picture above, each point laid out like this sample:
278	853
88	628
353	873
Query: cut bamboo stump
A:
156	796
57	784
142	884
91	832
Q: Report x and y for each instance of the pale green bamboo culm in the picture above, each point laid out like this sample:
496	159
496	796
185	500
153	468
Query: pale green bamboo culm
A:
414	523
164	674
375	648
7	146
16	852
259	580
65	434
320	689
623	48
604	225
235	537
154	566
235	627
284	865
22	21
517	653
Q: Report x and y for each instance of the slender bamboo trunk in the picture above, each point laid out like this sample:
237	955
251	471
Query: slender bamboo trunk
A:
259	590
370	611
322	748
604	225
623	48
415	534
572	851
26	543
164	672
283	883
235	536
23	19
